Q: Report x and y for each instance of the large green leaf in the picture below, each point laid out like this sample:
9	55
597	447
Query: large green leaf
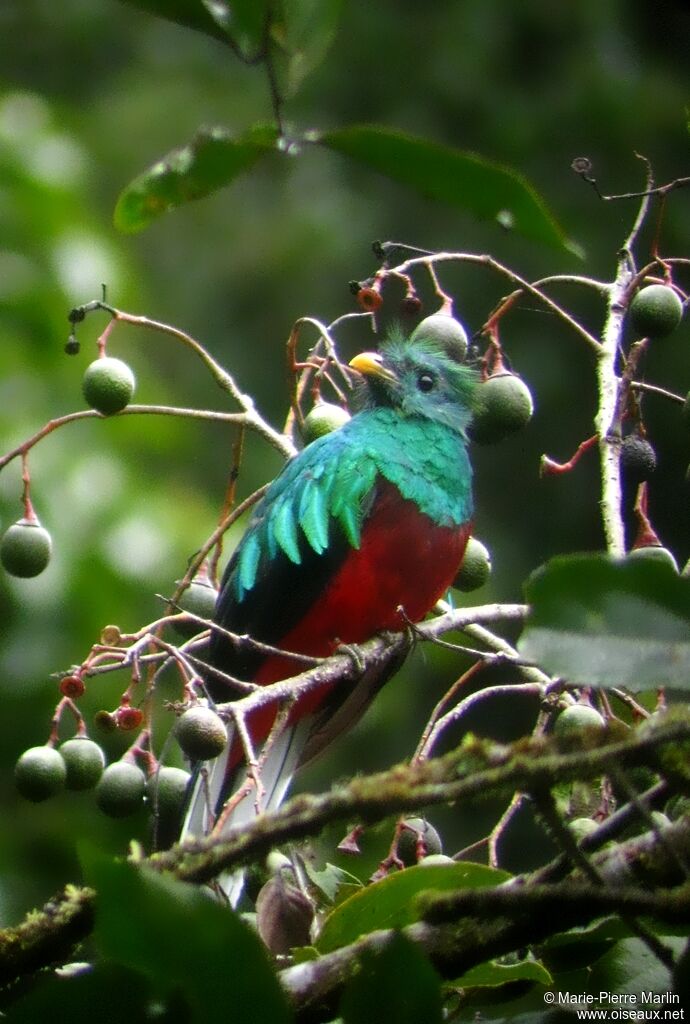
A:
462	180
184	941
390	903
195	14
211	161
397	985
604	622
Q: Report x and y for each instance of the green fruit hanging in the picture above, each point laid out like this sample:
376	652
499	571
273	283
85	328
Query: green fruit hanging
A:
655	311
84	761
108	385
577	719
199	598
476	567
323	419
444	330
504	406
25	548
201	733
166	792
40	773
120	791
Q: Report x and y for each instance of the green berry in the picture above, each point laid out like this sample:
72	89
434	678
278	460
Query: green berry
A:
85	762
655	311
504	406
656	553
108	385
323	419
476	567
638	459
581	827
120	791
25	548
166	791
443	330
576	719
201	733
200	599
417	839
40	773
436	860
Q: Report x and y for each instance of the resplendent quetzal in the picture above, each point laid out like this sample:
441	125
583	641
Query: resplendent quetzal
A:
366	520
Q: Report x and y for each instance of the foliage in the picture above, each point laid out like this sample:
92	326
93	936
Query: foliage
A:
438	940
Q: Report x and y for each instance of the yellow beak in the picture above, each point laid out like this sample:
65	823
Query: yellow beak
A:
371	364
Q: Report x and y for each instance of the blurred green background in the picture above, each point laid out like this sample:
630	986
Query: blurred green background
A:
93	93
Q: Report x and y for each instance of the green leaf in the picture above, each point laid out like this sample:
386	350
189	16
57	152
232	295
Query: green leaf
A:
181	939
462	180
195	14
302	32
604	622
397	984
211	161
492	974
390	903
632	967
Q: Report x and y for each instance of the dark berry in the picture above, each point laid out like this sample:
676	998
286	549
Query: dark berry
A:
108	385
476	567
25	548
201	733
504	406
120	790
417	839
105	721
283	915
411	305
323	419
72	346
85	762
655	311
638	459
40	773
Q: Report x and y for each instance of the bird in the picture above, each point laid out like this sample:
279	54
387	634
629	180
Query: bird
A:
362	531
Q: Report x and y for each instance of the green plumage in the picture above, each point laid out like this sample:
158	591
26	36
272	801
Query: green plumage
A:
410	436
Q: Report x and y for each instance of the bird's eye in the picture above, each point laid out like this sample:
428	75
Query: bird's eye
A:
425	382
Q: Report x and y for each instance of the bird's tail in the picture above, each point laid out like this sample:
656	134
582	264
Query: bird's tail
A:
215	806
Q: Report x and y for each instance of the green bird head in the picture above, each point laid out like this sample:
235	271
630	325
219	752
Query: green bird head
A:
418	378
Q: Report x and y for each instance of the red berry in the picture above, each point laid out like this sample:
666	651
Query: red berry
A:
129	718
72	686
369	299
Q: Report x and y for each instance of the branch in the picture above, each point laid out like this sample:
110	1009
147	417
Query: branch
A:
475	770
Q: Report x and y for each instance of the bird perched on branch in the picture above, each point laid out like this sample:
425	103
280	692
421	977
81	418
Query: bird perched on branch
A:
363	531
